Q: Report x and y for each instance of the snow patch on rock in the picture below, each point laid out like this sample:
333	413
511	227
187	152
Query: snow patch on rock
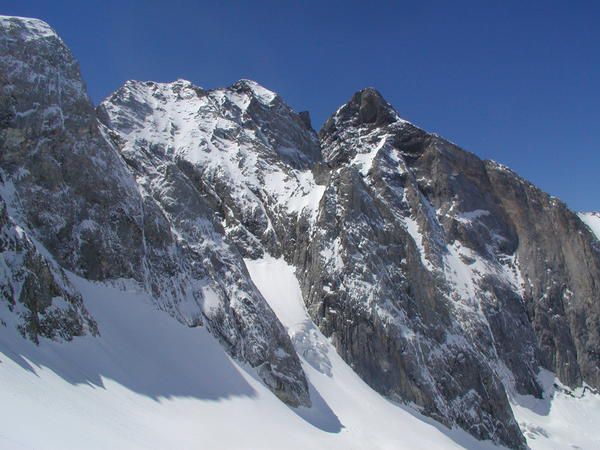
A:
592	220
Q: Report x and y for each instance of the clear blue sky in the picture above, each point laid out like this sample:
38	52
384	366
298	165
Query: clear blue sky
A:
518	82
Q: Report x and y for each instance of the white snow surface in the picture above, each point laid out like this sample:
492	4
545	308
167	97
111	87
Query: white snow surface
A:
592	220
364	160
210	131
152	383
30	29
562	419
263	94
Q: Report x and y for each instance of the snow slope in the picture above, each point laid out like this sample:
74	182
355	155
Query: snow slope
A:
563	419
369	420
592	220
154	383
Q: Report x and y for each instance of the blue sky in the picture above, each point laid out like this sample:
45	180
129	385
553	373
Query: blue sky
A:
518	82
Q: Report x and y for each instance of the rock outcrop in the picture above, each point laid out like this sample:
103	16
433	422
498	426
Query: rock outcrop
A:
443	279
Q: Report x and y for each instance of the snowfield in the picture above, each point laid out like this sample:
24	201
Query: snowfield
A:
564	419
153	383
592	220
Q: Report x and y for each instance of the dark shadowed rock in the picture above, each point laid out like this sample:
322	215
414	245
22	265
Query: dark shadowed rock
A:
305	118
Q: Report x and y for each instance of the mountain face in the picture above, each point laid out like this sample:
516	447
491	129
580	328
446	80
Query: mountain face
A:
67	188
460	276
443	280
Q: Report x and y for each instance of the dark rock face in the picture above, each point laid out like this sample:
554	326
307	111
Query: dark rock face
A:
366	107
421	269
380	279
443	280
305	118
36	291
560	262
52	151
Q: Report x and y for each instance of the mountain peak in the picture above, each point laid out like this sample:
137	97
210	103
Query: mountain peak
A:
366	107
27	29
178	83
372	108
261	93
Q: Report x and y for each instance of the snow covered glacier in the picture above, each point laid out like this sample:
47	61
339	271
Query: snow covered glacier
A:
183	267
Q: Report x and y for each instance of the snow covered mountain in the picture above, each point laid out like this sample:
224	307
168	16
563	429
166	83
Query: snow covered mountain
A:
391	289
66	186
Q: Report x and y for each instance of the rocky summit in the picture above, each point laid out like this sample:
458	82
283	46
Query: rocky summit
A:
444	281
